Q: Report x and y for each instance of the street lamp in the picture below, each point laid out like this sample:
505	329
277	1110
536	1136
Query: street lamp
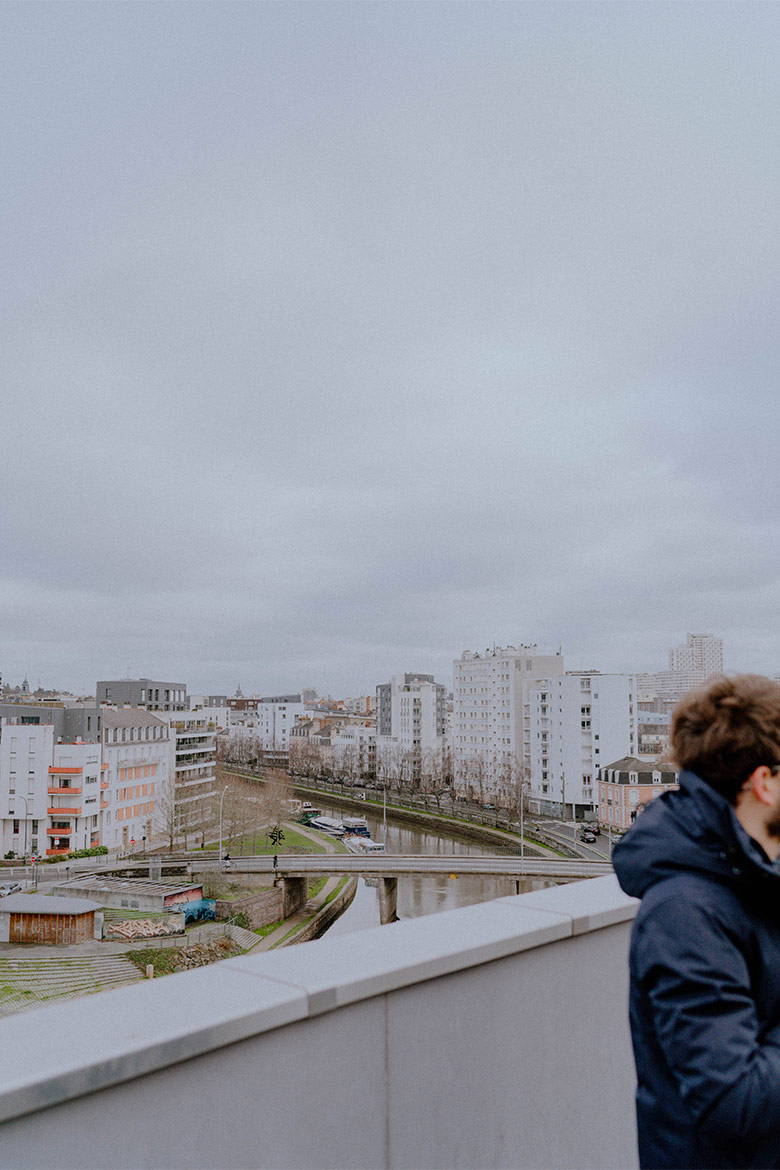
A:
222	797
522	839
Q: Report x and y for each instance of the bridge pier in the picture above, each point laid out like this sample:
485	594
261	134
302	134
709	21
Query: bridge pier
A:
388	899
295	891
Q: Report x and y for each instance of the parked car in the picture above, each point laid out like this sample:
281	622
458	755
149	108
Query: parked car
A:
588	837
9	888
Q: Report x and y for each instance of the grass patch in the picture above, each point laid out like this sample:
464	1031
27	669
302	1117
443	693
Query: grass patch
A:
294	930
257	844
163	960
262	931
337	890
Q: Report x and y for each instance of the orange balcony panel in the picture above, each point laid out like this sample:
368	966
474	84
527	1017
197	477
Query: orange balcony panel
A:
63	812
104	784
57	852
64	791
57	771
104	767
104	804
58	832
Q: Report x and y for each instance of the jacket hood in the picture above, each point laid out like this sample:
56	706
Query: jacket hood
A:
695	830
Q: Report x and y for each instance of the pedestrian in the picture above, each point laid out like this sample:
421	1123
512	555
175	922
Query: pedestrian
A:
275	861
705	947
226	860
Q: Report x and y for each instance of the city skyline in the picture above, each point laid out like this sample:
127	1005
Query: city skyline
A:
341	338
673	666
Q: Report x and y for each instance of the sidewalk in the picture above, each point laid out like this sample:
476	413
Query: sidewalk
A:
301	917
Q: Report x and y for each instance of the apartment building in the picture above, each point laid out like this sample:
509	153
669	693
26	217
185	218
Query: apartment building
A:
191	742
136	782
410	727
690	665
143	692
275	718
49	791
194	750
353	745
577	721
49	778
626	786
491	731
654	727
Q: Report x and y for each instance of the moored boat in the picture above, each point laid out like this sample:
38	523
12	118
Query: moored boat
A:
363	846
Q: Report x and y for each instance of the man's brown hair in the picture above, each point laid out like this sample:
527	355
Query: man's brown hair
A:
727	729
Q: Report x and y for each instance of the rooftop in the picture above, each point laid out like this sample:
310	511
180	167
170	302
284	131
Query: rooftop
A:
490	1036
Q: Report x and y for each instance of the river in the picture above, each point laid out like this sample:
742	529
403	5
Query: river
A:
418	894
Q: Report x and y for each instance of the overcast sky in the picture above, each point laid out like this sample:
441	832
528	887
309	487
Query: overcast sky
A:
339	338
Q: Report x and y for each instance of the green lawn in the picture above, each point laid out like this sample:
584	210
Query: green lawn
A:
258	843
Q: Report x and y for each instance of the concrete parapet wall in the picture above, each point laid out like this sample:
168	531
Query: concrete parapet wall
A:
494	1036
328	914
261	909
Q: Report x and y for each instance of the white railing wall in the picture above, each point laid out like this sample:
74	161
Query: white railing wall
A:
492	1036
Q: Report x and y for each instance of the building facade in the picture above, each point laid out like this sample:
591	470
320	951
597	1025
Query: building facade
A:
491	715
410	728
690	666
136	779
576	721
143	692
626	786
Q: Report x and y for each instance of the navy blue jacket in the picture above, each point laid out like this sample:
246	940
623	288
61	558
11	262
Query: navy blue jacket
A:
705	984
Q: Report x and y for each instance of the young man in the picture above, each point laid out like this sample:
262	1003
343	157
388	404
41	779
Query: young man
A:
705	949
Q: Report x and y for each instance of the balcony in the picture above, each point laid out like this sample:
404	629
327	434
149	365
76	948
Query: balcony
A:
64	812
104	785
66	791
58	852
492	1036
57	771
52	832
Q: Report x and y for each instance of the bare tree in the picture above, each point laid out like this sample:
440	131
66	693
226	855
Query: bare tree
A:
276	795
391	763
164	817
347	760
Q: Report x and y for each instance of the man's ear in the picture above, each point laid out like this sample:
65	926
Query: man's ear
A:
763	782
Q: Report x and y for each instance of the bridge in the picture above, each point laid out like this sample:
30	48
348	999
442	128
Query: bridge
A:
294	870
378	865
385	868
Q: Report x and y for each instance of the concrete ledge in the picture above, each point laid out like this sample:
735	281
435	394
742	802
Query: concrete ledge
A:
385	958
101	1040
72	1050
590	905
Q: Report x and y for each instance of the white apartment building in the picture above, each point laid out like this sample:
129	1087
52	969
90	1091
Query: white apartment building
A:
579	721
354	749
49	791
193	740
491	744
410	726
689	666
275	717
136	776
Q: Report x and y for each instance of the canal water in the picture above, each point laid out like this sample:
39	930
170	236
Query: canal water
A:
419	894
